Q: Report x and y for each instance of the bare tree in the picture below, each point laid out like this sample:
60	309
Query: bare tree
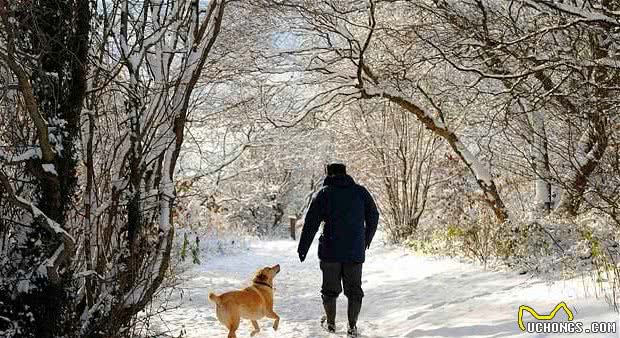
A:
355	55
112	209
155	61
405	155
556	63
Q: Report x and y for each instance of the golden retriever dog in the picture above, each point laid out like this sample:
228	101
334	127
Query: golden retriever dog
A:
253	302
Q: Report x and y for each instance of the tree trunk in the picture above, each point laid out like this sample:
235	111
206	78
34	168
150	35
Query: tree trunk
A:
53	85
540	163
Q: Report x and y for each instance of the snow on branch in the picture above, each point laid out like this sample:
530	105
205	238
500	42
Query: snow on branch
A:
32	153
587	13
477	168
65	249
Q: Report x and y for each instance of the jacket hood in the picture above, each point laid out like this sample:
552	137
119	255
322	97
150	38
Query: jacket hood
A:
339	181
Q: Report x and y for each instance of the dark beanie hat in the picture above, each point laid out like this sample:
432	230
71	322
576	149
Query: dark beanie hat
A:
336	169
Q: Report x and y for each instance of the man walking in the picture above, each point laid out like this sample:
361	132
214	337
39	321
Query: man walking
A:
351	218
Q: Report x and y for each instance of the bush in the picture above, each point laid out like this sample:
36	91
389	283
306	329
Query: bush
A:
553	247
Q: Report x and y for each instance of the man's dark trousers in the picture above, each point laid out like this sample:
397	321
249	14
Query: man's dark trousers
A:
335	277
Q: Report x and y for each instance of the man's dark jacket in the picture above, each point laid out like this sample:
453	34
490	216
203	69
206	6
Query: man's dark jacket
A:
345	207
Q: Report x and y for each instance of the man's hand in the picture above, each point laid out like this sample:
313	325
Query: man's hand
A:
302	257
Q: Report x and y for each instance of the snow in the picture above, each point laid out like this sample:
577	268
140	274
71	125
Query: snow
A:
52	260
23	286
406	296
36	212
481	172
27	155
390	92
167	190
586	14
477	167
50	168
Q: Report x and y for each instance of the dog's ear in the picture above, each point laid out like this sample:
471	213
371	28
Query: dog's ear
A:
261	276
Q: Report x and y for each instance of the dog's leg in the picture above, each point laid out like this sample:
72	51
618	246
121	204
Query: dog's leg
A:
233	325
256	328
271	314
232	331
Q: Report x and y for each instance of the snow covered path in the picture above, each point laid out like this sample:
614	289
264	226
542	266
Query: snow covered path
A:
406	296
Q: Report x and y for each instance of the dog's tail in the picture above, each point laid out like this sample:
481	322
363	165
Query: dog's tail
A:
214	298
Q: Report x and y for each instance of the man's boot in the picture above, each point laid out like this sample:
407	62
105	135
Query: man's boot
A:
353	311
352	332
329	320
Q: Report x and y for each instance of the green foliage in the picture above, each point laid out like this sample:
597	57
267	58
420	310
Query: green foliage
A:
424	247
454	232
193	248
593	243
480	240
483	240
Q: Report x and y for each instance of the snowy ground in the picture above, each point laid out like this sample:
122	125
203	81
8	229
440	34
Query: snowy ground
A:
406	296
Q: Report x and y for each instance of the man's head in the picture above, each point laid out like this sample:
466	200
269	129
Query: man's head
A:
334	169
